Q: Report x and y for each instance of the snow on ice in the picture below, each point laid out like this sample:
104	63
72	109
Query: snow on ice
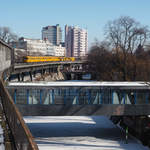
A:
79	133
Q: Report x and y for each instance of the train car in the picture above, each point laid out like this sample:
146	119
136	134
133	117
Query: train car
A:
67	59
36	59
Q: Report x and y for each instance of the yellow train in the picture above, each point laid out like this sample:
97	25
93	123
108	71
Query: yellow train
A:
32	59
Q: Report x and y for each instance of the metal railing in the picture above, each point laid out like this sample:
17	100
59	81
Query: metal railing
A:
77	95
22	137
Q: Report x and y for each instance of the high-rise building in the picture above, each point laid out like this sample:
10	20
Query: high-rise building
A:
76	41
53	34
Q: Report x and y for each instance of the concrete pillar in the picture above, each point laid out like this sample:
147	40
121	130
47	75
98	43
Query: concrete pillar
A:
42	74
22	76
44	70
9	78
18	76
34	74
30	73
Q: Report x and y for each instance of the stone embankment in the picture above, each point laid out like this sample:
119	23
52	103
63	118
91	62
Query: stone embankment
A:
50	77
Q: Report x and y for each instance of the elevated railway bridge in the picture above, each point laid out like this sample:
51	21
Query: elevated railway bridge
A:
69	68
60	98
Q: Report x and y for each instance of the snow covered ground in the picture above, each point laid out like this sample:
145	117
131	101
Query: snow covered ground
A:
2	147
79	133
80	83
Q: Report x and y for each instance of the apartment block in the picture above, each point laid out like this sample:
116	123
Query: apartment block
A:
76	41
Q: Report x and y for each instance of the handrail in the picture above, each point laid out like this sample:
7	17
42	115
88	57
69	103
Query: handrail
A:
22	136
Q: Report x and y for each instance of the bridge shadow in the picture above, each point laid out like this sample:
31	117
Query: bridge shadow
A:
94	126
91	132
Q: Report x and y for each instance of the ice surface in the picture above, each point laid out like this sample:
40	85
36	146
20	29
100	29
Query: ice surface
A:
79	133
2	147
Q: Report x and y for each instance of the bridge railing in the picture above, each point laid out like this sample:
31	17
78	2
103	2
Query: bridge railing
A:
22	137
77	95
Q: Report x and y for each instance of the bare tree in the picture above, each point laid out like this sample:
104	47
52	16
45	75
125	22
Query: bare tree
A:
100	61
7	35
125	35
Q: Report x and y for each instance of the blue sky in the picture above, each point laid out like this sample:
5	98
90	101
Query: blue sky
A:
27	17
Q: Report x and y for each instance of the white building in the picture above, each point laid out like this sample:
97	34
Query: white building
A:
59	50
36	47
76	41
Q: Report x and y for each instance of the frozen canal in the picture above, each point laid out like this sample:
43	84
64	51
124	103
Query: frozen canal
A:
79	133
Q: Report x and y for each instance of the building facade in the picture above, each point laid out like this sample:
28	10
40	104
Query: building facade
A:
53	34
37	47
76	41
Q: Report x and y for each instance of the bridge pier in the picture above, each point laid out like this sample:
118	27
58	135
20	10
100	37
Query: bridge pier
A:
22	76
9	78
34	74
30	73
42	74
68	76
18	76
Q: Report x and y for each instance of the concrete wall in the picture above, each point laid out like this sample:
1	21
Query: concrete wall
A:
5	56
83	110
